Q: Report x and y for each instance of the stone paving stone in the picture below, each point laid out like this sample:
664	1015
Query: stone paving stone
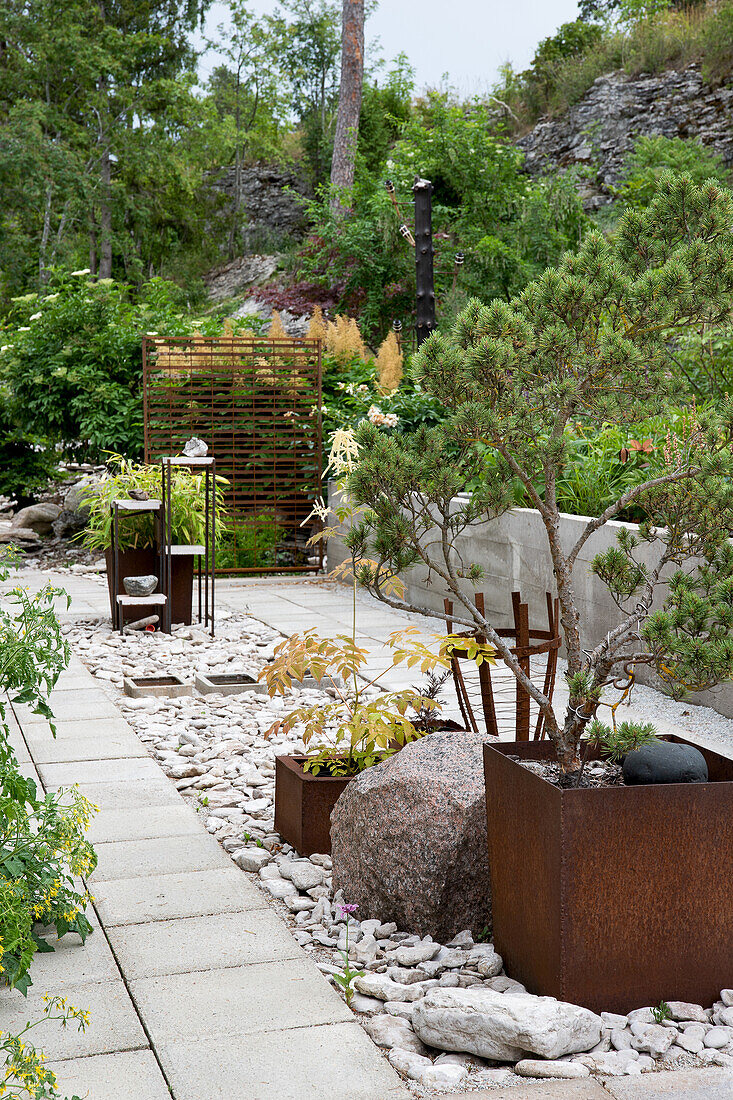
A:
127	1075
99	771
692	1084
238	1001
108	743
202	943
114	1023
167	897
333	1062
74	963
173	855
173	819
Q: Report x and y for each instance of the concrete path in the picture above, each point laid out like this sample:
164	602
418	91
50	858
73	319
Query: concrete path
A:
196	989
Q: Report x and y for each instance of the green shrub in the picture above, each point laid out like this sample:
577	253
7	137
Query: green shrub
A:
251	544
652	154
27	463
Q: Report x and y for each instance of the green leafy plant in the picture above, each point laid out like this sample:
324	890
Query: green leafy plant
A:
345	977
361	727
25	1073
661	1013
590	339
188	506
42	845
252	543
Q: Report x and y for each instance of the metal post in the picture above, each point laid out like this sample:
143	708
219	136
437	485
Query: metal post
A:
423	190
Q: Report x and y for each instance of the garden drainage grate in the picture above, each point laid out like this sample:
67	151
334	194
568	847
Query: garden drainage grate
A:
140	687
230	683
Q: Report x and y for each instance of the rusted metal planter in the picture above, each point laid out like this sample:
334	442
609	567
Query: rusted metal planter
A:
613	898
303	804
139	562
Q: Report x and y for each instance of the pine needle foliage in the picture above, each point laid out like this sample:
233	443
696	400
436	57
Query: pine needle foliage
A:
588	340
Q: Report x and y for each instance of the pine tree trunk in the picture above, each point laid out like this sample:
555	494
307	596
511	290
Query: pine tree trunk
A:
105	217
347	120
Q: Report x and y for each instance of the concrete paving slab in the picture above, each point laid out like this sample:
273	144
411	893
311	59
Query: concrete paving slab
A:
166	897
99	771
173	855
238	1001
88	702
331	1062
107	744
127	1075
202	943
542	1090
156	793
77	727
114	1023
692	1084
74	963
173	819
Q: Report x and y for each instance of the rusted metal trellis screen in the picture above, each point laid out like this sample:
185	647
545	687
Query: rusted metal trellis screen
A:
256	402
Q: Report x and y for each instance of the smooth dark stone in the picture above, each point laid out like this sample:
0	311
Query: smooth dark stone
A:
665	762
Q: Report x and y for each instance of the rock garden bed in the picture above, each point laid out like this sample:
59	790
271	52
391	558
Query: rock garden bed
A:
445	1014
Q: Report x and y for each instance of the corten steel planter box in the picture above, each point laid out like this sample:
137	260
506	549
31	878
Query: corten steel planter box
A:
613	898
303	804
145	562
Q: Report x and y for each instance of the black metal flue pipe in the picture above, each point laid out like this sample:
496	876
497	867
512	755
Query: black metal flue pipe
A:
423	191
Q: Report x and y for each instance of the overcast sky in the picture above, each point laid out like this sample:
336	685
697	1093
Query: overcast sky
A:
468	39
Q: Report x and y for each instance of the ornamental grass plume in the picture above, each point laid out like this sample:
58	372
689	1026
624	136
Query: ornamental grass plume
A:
389	364
276	330
317	326
344	340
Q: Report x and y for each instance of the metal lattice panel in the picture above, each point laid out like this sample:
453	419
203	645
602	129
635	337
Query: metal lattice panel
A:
257	403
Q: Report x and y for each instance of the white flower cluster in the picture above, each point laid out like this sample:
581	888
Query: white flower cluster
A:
383	419
351	388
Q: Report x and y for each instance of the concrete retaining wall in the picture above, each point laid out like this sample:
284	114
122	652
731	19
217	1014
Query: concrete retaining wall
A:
512	550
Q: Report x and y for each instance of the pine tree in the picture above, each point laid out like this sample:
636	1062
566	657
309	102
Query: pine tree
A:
589	340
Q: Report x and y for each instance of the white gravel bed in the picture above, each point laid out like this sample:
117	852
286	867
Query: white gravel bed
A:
214	749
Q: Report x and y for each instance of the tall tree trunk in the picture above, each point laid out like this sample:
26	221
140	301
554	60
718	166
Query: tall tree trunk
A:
105	215
42	272
347	120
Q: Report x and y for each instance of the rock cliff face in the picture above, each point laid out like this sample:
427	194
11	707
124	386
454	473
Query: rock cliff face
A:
269	206
617	109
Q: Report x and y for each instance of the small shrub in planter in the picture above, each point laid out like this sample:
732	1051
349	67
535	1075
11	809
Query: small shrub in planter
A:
361	727
592	341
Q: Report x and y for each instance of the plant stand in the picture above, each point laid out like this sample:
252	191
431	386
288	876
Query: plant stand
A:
120	601
205	551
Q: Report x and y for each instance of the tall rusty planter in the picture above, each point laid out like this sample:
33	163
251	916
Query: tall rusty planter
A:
613	898
303	804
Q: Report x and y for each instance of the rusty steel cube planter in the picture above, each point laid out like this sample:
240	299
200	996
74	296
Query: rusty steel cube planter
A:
611	897
303	804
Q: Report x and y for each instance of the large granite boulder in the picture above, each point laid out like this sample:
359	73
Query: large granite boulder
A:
408	838
37	517
503	1026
